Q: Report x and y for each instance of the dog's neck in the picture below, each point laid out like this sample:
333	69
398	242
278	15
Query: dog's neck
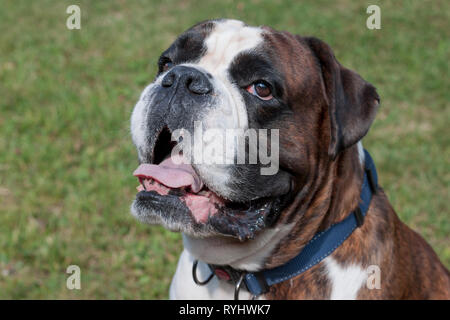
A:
328	200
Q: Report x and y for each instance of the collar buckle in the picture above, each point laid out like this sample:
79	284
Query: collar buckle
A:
238	285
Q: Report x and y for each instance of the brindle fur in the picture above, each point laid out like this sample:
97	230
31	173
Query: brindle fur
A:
410	269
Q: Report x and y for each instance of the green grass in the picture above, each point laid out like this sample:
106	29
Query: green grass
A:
66	156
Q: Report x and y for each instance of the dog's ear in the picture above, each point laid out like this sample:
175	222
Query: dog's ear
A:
352	101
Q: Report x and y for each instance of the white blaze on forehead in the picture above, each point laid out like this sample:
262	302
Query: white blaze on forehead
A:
226	41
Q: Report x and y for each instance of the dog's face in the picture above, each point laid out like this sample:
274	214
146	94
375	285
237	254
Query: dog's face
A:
225	75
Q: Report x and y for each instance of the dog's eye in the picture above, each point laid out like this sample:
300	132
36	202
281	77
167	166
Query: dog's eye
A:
167	65
261	89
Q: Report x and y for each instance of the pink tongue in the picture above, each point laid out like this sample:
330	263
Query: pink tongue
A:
170	174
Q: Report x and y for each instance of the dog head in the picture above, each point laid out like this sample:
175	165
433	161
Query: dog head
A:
283	98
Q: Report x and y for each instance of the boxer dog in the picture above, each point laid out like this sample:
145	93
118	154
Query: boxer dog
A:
233	219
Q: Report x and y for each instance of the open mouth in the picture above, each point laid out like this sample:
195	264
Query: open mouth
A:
170	187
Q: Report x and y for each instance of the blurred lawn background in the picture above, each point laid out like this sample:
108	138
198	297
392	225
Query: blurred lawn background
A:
66	157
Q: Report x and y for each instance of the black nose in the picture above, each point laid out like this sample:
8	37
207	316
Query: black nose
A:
190	78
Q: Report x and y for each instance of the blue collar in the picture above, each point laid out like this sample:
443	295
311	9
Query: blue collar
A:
317	249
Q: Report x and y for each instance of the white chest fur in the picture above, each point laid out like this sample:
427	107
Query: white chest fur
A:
345	281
